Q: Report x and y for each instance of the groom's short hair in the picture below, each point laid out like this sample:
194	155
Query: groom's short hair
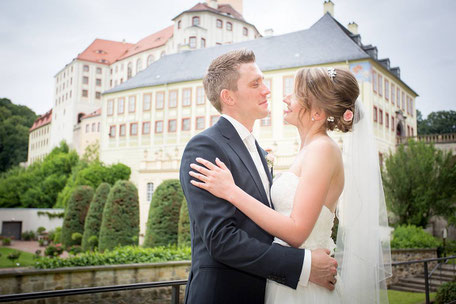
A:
223	73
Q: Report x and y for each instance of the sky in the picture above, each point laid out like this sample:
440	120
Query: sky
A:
38	38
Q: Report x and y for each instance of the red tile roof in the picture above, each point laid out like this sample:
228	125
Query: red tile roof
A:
93	114
42	120
104	51
150	42
224	9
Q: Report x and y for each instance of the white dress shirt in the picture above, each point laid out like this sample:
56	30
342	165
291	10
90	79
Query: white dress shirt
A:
249	140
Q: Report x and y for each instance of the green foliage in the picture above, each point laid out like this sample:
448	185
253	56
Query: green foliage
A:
37	186
75	215
14	256
25	259
184	226
163	221
53	251
410	236
40	230
15	122
56	235
117	256
77	237
446	293
28	235
440	122
74	250
120	223
94	217
6	241
419	182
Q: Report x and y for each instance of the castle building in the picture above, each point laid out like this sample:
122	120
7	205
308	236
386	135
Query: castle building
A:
39	137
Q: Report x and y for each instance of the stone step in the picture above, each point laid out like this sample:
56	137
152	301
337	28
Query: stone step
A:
405	288
420	281
440	274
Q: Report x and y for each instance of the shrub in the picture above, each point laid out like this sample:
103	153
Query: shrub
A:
163	221
75	215
37	254
184	226
410	236
6	241
120	223
77	237
57	235
93	242
40	230
28	235
74	250
446	293
117	256
53	251
13	256
94	217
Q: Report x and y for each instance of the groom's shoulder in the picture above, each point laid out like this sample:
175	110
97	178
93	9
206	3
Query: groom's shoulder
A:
211	134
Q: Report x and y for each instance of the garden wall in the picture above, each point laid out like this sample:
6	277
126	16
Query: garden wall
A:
403	255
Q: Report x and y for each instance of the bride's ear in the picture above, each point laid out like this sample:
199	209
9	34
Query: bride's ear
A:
318	114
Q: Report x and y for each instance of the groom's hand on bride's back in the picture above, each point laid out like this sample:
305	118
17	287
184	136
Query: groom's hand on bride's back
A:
324	269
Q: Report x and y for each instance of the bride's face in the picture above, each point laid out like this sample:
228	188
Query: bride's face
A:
295	114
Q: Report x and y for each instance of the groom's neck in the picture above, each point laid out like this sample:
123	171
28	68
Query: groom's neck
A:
245	121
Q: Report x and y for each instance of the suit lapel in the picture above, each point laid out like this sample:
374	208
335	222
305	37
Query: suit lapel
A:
238	146
265	163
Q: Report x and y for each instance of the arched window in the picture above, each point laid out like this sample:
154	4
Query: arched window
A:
150	59
179	24
196	20
138	65
129	70
163	53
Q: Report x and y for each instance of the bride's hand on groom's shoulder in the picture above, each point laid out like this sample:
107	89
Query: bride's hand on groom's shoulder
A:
324	269
214	178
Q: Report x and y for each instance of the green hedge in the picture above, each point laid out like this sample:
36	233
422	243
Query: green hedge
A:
94	216
121	255
410	236
446	293
163	221
120	224
75	215
184	226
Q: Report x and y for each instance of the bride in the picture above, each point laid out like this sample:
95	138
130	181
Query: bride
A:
318	185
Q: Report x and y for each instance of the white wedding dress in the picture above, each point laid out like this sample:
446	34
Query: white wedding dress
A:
282	194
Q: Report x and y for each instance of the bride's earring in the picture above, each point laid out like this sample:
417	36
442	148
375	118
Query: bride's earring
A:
313	119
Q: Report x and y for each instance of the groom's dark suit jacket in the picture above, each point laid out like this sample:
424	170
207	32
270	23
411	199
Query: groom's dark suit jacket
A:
231	256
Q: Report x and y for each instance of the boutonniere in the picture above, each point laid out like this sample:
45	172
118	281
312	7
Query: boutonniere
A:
270	160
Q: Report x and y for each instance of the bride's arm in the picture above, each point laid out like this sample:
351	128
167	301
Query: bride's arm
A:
318	168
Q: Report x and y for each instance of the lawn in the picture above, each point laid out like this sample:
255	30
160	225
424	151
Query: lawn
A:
25	259
402	297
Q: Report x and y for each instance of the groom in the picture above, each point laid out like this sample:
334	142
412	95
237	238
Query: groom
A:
231	256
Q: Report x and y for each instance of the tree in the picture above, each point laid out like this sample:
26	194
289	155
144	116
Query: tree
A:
94	217
120	223
75	215
184	225
15	122
419	182
440	122
162	224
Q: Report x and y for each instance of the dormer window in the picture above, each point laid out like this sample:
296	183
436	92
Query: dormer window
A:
219	23
245	31
229	26
179	24
196	21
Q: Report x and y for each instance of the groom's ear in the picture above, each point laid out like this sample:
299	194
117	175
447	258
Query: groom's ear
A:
226	98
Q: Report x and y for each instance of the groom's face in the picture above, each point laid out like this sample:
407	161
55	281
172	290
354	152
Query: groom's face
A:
251	95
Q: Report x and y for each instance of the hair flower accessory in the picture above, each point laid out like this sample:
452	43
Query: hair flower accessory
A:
348	115
330	119
332	73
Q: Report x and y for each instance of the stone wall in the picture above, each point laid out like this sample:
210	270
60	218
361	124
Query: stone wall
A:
403	255
21	281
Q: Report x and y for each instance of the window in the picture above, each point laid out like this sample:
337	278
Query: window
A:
85	68
129	70
403	101
87	128
374	81
245	31
110	83
393	94
163	53
186	97
265	122
408	130
380	85
122	130
392	122
196	21
150	59
185	124
112	131
172	125
120	106
138	65
199	123
85	80
98	127
159	126
159	99
146	127
200	99
203	43
411	131
229	26
98	70
179	24
375	114
98	82
387	121
85	93
380	116
387	89
131	104
172	102
214	119
150	191
94	127
110	107
192	42
219	23
97	95
147	98
398	96
134	129
288	83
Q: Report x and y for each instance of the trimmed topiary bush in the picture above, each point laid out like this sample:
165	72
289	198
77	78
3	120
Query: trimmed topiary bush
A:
94	217
75	215
120	223
184	226
163	221
446	293
410	236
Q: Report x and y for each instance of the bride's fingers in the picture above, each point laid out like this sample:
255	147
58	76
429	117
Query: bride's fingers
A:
221	164
200	169
198	184
198	176
206	163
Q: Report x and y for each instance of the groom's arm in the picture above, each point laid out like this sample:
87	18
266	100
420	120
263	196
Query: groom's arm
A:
216	224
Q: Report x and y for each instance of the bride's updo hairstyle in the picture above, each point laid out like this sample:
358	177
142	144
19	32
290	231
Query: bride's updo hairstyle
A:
333	90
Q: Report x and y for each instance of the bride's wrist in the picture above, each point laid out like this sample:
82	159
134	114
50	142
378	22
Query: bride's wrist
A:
232	193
